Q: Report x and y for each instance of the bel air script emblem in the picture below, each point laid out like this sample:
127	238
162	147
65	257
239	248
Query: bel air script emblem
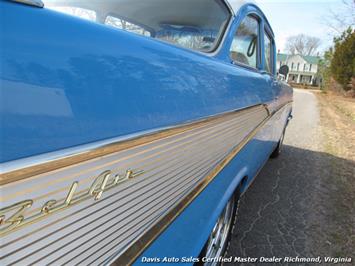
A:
13	217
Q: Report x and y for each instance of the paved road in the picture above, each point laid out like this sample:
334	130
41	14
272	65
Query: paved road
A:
290	208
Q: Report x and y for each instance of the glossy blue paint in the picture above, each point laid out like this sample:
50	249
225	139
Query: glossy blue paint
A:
66	81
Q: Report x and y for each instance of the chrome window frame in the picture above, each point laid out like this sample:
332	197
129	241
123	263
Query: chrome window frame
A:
259	50
224	28
267	34
213	52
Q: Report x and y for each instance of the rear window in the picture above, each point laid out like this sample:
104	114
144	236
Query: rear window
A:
197	24
77	11
125	25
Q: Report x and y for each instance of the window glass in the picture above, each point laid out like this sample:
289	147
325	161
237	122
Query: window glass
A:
269	53
244	47
187	36
125	25
76	11
197	24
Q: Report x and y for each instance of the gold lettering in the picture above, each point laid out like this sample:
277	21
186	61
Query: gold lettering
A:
121	178
99	185
117	179
129	174
48	205
71	193
136	173
17	217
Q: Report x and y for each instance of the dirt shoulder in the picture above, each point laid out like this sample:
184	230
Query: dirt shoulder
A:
337	202
338	124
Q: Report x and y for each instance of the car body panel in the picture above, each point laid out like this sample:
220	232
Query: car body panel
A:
164	172
68	85
87	97
198	220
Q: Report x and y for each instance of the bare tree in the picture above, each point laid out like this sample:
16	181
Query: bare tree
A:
302	44
342	18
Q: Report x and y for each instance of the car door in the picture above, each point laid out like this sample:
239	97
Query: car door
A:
246	52
270	75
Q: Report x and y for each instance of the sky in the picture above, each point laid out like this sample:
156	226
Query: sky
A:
292	17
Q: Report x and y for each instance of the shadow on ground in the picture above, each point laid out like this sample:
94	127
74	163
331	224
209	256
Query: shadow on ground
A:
301	204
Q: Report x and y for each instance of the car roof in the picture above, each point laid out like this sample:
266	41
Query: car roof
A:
235	5
147	15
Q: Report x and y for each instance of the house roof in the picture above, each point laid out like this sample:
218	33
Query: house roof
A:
282	57
311	59
308	58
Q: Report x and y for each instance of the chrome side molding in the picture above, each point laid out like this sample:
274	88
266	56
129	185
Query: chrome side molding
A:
24	168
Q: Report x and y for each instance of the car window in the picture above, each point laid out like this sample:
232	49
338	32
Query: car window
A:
197	25
188	36
125	25
268	46
244	47
76	11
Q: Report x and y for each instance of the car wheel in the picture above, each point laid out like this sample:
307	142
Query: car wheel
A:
219	238
278	148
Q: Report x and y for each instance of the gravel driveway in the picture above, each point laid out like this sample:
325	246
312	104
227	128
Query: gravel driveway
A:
301	204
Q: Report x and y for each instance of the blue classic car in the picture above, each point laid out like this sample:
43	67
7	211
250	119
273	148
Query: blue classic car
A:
130	128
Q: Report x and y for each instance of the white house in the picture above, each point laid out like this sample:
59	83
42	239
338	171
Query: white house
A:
303	69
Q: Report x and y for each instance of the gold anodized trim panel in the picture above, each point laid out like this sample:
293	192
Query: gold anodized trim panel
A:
136	249
120	195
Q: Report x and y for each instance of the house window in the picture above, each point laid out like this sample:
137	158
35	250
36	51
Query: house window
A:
292	65
244	47
304	67
298	66
310	67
